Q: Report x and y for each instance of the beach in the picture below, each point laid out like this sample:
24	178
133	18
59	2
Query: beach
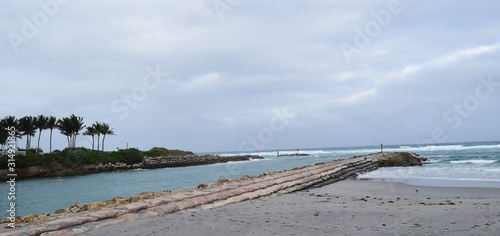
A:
349	207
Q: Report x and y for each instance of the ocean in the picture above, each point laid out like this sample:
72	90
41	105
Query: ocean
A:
458	164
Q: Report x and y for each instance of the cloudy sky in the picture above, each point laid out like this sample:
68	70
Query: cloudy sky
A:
227	75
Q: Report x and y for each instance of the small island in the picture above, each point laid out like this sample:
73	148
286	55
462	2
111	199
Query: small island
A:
34	162
80	161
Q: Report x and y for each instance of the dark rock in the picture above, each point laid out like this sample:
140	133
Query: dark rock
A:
399	159
294	155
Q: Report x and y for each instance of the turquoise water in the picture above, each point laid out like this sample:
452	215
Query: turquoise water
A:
463	165
473	164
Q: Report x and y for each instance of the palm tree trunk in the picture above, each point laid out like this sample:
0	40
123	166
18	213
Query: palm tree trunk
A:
50	140
38	147
27	142
103	137
92	142
98	140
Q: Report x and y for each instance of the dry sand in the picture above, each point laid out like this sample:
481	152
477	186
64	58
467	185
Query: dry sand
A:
350	207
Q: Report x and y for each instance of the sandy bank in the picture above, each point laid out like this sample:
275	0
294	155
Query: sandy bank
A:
99	215
347	207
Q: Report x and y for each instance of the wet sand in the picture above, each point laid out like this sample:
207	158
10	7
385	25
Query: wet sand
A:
350	207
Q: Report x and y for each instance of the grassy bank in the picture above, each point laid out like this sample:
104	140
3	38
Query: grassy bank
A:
73	158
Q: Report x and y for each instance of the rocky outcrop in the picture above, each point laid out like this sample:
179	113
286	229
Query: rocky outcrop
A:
148	163
399	159
294	155
191	160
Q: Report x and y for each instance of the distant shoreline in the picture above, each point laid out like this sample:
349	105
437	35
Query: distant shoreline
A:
147	163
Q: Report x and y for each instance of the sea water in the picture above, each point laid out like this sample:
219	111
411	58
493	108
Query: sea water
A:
459	164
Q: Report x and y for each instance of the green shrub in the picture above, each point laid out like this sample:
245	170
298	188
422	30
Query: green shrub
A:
78	157
130	156
159	151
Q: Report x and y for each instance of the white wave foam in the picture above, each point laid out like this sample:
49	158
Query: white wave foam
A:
367	150
436	172
433	161
446	147
474	162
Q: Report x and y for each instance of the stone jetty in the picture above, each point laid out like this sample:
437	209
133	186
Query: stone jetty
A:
191	160
206	196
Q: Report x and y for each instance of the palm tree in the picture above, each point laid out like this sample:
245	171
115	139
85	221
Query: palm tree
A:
4	135
51	124
91	131
77	123
71	127
11	121
64	126
105	130
97	127
41	124
5	123
27	127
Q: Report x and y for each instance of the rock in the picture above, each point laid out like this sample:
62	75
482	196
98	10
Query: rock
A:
78	207
399	159
202	186
294	155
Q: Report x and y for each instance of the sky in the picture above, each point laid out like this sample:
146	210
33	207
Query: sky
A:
249	75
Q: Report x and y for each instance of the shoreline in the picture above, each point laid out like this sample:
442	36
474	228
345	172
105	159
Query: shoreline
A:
147	163
225	191
315	206
348	207
438	182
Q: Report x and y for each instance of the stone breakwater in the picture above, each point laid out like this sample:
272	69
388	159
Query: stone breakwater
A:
206	196
147	163
191	160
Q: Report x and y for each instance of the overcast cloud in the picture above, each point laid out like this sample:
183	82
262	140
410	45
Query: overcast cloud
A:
221	75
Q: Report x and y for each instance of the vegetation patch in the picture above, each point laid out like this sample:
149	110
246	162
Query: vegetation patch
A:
159	151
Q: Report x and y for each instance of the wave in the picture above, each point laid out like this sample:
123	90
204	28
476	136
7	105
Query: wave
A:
346	151
434	172
426	178
473	162
281	152
447	147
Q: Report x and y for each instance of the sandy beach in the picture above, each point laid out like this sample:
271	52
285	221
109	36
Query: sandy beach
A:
350	207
